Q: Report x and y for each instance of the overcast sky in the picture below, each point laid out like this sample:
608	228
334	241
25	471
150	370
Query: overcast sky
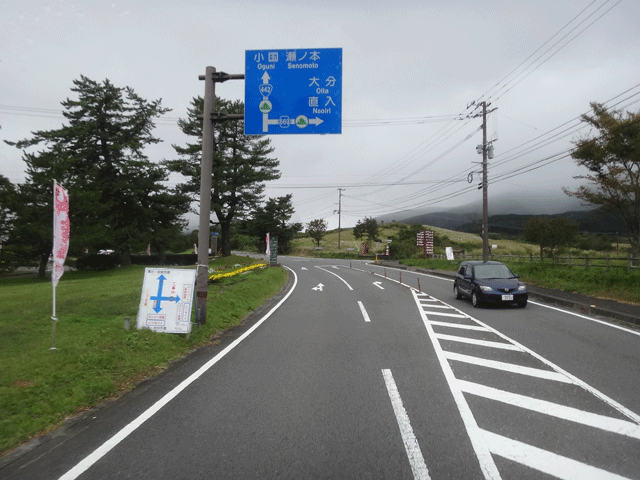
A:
410	71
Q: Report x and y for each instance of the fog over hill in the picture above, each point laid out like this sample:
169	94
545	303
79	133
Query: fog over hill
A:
549	203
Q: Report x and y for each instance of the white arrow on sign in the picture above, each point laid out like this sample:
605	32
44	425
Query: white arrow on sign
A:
377	284
318	288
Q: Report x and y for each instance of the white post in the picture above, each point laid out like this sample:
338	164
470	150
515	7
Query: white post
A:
53	316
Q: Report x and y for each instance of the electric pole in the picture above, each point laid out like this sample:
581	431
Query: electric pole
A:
485	196
487	152
339	213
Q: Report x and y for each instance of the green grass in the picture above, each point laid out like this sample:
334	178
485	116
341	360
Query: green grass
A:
615	284
96	358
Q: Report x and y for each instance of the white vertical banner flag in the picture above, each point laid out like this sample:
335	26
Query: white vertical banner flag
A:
61	229
268	249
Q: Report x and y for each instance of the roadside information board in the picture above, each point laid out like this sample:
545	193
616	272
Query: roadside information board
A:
166	300
294	91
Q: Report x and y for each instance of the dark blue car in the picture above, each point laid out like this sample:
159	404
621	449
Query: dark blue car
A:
489	283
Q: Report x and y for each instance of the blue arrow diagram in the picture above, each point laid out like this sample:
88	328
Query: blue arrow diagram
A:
158	298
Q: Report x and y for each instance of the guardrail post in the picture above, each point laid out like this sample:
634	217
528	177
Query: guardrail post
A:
401	277
385	273
419	287
586	261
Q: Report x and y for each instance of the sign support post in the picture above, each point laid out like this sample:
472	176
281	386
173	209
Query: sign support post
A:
209	117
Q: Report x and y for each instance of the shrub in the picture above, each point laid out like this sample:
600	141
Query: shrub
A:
97	262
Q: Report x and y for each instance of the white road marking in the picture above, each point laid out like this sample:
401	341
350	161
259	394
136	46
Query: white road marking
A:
508	367
621	408
451	315
101	451
364	312
602	422
458	325
318	288
568	312
473	341
343	280
487	465
591	319
544	461
438	306
377	284
418	466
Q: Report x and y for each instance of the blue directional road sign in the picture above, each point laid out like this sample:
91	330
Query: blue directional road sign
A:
294	91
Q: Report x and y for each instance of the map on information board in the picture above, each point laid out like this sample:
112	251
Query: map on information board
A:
166	300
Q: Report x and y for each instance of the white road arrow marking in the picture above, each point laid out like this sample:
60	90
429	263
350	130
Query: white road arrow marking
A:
304	268
377	284
318	288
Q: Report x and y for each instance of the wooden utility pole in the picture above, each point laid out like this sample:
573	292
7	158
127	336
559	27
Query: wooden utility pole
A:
485	196
339	213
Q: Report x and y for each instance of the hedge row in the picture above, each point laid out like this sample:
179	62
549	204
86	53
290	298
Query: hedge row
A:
107	262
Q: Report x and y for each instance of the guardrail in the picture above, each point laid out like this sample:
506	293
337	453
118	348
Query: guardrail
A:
584	261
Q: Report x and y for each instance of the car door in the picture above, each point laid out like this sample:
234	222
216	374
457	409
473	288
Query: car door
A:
464	275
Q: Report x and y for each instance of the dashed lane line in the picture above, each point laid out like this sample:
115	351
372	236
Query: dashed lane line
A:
418	465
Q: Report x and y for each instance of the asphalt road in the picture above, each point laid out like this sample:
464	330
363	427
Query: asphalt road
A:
354	375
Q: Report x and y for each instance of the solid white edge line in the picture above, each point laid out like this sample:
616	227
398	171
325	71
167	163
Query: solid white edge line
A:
364	312
545	461
624	329
327	271
416	460
487	465
101	451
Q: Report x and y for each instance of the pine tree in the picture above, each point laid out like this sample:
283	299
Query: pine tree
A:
117	198
241	165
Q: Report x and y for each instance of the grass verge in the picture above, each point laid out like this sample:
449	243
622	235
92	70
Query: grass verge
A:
612	284
95	357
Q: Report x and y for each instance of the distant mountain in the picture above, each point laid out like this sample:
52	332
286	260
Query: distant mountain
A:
509	215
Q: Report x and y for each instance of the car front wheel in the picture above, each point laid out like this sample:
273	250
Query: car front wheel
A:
475	300
522	304
456	292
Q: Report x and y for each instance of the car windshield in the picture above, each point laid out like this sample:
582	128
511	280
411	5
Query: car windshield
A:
492	271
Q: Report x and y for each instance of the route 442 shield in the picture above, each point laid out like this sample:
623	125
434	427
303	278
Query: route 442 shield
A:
166	300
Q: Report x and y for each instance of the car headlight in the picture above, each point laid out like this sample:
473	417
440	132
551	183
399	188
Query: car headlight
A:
484	288
522	288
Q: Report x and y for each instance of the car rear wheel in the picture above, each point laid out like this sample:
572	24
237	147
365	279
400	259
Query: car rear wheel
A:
475	300
456	292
